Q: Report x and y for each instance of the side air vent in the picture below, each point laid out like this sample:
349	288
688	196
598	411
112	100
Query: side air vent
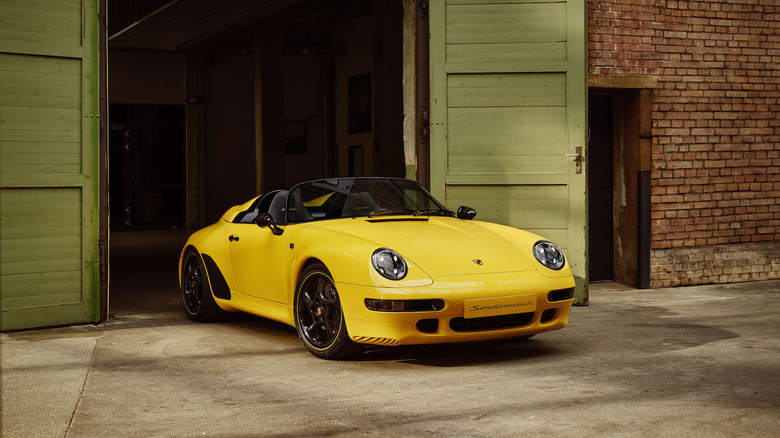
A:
218	284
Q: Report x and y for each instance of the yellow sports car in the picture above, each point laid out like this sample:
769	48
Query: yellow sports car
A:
356	261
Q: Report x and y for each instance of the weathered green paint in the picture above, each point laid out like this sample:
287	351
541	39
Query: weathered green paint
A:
508	92
49	139
411	172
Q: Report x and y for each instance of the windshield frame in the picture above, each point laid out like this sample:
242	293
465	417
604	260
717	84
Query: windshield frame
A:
344	186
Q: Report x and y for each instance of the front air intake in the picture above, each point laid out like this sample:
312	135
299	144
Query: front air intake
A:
429	325
491	322
547	315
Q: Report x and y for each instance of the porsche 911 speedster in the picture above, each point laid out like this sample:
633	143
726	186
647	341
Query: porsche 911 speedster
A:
356	261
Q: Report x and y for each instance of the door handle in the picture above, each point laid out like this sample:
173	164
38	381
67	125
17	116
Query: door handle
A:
233	238
577	158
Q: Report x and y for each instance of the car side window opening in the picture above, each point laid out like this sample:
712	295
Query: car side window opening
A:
261	205
277	209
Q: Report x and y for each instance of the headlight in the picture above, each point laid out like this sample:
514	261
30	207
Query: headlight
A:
548	254
389	263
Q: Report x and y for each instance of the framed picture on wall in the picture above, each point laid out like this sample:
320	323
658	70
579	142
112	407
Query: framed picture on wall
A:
359	103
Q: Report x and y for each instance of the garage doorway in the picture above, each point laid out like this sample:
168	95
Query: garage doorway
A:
268	94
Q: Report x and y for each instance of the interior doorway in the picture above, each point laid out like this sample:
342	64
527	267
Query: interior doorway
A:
600	188
617	198
146	178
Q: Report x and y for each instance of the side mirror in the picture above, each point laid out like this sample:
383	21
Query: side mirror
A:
467	213
266	220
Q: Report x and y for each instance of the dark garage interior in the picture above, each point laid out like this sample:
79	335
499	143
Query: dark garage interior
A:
264	94
212	103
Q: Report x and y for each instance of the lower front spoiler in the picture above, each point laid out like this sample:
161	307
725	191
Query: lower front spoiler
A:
447	329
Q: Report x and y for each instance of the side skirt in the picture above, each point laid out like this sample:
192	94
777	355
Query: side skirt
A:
260	307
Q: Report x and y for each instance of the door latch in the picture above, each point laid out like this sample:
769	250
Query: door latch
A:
577	158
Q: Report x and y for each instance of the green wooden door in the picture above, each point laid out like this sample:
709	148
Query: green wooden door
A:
509	90
49	139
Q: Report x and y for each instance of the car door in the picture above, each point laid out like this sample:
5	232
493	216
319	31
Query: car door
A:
259	260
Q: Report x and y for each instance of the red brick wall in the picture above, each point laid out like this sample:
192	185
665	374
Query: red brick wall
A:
716	129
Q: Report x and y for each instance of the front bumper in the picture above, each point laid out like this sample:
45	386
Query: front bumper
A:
452	323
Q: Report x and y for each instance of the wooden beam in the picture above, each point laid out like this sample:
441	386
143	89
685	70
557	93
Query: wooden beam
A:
258	60
610	81
269	108
409	87
194	143
103	242
423	88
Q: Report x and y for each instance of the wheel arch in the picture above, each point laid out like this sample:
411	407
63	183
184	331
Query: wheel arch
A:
311	324
295	275
308	262
207	308
184	250
342	268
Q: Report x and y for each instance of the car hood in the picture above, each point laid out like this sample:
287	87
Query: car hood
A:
439	245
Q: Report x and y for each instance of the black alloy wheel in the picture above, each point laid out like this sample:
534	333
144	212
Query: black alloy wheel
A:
319	319
196	295
192	284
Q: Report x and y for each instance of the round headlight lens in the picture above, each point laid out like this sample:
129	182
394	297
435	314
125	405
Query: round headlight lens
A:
389	263
548	254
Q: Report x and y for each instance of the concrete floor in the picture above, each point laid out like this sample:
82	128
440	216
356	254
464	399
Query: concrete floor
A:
696	361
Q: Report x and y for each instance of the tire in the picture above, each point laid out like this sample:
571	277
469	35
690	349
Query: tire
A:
199	304
319	319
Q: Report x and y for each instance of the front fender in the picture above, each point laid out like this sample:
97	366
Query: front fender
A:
347	257
524	242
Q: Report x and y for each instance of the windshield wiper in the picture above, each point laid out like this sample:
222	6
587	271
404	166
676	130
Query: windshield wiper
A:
434	212
393	211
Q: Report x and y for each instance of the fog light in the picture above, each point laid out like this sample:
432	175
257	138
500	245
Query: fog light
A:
404	305
560	295
385	305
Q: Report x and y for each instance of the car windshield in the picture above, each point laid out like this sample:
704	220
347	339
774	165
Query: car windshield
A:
360	197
